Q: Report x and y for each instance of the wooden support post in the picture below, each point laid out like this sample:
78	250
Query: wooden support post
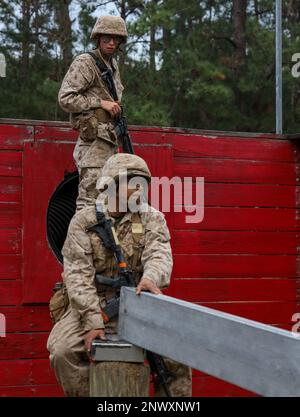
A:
119	379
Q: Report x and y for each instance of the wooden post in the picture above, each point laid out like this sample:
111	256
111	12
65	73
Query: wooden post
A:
119	379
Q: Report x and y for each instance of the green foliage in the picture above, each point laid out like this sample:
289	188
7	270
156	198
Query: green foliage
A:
179	67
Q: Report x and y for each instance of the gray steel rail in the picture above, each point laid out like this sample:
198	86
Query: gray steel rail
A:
252	355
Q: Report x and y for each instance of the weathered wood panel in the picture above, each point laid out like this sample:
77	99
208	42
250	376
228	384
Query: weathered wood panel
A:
10	190
10	267
27	319
246	289
24	346
244	195
13	136
192	146
241	218
10	215
10	241
270	312
26	372
32	391
234	266
234	242
10	164
241	171
10	292
208	386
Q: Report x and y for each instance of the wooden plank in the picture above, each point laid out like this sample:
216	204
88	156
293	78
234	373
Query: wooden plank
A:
32	391
233	148
10	292
241	218
238	171
10	267
208	290
242	195
178	130
214	144
55	133
264	312
208	133
149	137
12	136
254	356
10	190
10	215
234	266
42	373
24	319
44	167
208	386
10	241
234	242
26	372
24	346
10	163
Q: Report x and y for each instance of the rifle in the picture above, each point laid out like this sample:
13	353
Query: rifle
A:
112	307
120	122
105	230
123	134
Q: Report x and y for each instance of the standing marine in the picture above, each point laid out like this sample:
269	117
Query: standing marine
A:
85	95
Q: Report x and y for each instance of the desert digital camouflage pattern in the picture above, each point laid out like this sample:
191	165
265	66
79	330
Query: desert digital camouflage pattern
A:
80	95
81	92
109	25
84	254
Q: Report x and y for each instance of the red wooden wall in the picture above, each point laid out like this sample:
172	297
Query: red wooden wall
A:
242	259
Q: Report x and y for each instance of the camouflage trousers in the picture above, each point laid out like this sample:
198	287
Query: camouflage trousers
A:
88	175
70	362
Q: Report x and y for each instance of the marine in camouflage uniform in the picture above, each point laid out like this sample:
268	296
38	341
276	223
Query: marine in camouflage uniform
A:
150	259
85	96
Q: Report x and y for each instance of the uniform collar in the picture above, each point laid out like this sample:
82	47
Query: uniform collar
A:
144	207
109	63
127	217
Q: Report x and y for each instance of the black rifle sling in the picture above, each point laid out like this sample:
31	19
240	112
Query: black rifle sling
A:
103	229
120	126
106	75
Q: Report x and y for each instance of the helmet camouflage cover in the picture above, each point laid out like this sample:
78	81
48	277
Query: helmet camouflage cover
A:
110	25
122	164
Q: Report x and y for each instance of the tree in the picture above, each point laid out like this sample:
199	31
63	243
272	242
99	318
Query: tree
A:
201	64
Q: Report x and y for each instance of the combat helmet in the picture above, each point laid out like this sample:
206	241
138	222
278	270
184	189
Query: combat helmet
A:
110	25
122	164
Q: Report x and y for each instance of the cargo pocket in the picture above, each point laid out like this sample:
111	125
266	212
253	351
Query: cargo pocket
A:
59	304
106	132
88	127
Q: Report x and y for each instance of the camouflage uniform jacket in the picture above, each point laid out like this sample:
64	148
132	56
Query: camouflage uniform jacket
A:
84	254
80	94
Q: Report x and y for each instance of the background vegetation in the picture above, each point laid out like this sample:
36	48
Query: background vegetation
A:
199	64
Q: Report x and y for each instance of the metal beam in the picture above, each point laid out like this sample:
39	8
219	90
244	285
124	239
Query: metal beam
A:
252	355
